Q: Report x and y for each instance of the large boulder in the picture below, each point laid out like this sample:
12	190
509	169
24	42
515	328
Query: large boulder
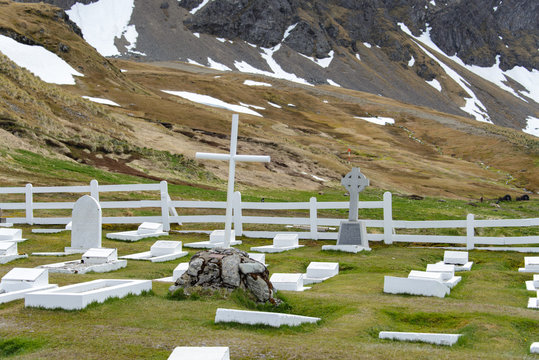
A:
226	269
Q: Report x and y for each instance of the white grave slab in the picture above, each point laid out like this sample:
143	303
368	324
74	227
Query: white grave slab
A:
414	286
9	252
447	271
52	231
536	281
20	281
262	318
217	239
534	348
465	267
176	274
97	260
438	276
13	235
200	353
320	271
261	258
531	264
530	286
345	248
6	224
437	339
288	282
78	296
281	242
533	303
456	257
86	225
145	230
160	251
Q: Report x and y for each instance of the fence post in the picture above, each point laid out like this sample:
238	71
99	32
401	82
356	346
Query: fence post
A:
388	218
470	232
238	224
313	217
29	199
94	190
164	205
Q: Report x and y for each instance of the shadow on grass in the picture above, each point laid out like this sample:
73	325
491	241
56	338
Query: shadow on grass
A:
19	346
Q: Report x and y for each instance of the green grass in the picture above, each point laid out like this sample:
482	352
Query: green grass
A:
19	345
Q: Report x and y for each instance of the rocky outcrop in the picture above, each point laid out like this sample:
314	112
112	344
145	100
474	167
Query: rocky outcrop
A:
226	269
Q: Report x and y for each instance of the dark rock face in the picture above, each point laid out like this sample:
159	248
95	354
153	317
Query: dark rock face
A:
227	269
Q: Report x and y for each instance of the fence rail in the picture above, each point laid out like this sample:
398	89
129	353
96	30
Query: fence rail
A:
312	222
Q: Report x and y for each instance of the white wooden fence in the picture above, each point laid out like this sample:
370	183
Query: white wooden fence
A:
313	222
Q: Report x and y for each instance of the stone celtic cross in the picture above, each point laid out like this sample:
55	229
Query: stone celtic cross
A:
354	182
231	158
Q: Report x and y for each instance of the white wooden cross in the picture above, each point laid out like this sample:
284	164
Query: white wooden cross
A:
354	182
231	158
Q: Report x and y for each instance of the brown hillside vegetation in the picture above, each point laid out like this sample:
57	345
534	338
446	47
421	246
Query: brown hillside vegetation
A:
425	152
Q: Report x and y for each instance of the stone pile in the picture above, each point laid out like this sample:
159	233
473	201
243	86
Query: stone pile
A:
228	269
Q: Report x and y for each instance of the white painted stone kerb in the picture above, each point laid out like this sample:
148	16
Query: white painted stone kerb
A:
13	235
320	271
160	251
96	260
217	239
200	353
345	248
281	242
263	318
145	230
414	286
20	281
534	348
431	338
288	282
79	296
9	252
531	264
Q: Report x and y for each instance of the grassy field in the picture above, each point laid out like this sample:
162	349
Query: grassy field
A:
488	307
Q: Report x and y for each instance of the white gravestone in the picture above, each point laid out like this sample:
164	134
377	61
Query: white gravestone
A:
415	286
218	236
261	258
447	271
320	271
534	348
20	281
231	158
86	225
145	230
536	281
9	252
160	251
13	235
99	256
431	338
438	276
288	282
96	260
456	257
281	242
200	353
261	317
531	264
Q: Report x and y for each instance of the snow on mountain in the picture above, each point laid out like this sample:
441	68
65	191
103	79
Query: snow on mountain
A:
101	101
532	126
44	64
103	21
378	120
435	84
211	101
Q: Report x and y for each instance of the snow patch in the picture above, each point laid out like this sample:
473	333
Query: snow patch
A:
532	126
101	101
255	83
217	66
211	101
291	105
221	39
432	2
275	105
193	62
411	62
495	8
378	120
367	45
253	106
44	64
202	4
103	21
325	62
358	57
333	83
289	30
435	84
196	35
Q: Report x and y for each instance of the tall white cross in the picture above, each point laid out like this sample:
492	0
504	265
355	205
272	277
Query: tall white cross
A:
231	158
354	182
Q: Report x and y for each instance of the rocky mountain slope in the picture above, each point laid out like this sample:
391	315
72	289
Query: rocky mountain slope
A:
473	58
158	115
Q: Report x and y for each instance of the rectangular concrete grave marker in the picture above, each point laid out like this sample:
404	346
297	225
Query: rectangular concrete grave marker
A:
13	235
200	353
261	258
86	225
78	296
20	281
263	318
531	264
437	339
179	270
415	286
533	303
288	282
536	281
9	252
456	257
447	271
414	274
217	239
320	271
96	260
534	348
145	230
281	242
99	256
231	158
160	251
52	231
